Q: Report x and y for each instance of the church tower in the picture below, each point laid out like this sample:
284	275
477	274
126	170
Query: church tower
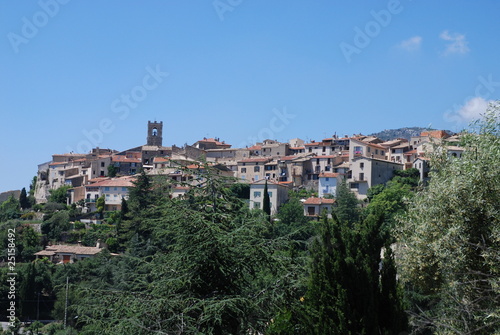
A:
155	133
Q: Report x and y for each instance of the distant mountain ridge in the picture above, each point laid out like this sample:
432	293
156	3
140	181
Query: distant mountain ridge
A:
406	132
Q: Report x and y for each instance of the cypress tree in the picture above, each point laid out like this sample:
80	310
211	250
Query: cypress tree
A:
23	199
266	206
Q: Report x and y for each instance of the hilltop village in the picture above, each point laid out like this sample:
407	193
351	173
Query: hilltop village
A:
318	166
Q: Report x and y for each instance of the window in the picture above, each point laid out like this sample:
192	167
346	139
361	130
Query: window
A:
115	189
355	185
243	170
368	149
270	194
376	151
256	177
310	210
361	176
256	169
257	194
155	132
102	164
243	176
124	189
327	179
361	165
256	205
358	150
106	189
382	152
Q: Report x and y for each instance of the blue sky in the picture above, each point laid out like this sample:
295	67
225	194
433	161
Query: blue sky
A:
76	73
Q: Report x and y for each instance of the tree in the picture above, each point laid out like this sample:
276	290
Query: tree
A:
59	195
112	170
450	249
23	199
9	209
266	205
347	209
100	204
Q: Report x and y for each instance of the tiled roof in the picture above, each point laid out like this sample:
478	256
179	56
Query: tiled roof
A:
289	158
160	159
254	160
255	147
328	175
213	140
115	182
124	159
435	134
319	201
68	249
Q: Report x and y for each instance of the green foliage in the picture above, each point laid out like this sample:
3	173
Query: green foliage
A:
266	205
100	204
9	209
59	195
347	290
347	209
451	238
112	171
292	223
28	242
23	200
240	190
56	224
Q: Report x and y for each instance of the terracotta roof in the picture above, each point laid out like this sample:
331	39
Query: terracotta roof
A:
325	156
328	175
254	160
160	159
435	134
213	140
124	159
319	201
68	249
115	182
401	146
255	147
97	179
317	144
297	148
289	158
409	153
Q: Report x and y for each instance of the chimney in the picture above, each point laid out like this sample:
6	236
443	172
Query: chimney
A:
98	244
79	243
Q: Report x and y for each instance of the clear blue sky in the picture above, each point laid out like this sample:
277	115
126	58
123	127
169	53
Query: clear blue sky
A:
230	68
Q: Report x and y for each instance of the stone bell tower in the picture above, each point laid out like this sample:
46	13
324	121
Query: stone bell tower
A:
155	130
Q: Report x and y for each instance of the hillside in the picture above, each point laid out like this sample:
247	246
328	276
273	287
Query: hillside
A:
407	133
